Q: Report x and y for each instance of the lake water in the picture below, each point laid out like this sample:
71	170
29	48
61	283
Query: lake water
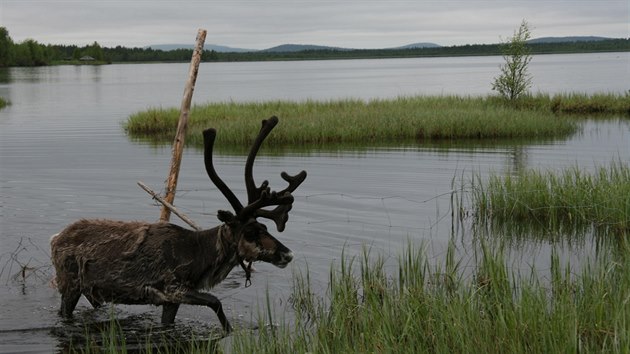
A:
64	156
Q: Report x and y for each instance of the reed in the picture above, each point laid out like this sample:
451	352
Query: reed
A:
586	104
575	103
439	309
355	121
571	199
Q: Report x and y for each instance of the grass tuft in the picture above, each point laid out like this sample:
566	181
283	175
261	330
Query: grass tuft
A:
572	199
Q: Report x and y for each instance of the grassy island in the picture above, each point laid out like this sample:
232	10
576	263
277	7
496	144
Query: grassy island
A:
380	120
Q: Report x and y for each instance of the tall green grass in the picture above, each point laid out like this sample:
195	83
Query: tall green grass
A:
355	121
3	102
445	309
572	198
574	103
585	104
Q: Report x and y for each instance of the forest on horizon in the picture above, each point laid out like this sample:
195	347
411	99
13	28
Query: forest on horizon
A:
32	53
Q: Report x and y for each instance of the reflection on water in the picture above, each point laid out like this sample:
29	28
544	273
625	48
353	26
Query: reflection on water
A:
63	156
112	329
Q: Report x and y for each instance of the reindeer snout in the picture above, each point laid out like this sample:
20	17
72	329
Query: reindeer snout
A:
285	258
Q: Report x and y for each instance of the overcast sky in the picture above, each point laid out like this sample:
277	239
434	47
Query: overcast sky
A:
262	24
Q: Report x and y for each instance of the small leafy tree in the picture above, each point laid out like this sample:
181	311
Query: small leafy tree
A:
76	54
514	80
95	51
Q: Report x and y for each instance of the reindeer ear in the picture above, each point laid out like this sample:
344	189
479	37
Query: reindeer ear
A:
226	216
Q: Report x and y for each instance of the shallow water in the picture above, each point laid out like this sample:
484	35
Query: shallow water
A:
63	156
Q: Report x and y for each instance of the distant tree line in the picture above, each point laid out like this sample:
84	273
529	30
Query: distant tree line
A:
611	45
32	53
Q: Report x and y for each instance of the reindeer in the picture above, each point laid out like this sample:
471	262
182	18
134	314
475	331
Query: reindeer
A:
167	265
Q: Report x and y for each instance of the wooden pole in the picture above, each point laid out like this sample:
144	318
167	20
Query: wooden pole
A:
168	205
182	125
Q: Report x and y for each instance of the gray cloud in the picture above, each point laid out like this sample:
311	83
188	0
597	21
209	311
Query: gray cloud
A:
262	24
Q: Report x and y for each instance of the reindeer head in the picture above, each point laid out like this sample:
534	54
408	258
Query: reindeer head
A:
254	242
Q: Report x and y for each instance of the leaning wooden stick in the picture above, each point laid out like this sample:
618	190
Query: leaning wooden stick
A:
182	125
170	207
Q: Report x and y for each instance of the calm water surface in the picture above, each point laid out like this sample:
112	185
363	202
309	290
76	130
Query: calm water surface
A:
64	156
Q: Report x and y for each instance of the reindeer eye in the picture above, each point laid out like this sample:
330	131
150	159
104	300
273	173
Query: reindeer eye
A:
250	233
254	230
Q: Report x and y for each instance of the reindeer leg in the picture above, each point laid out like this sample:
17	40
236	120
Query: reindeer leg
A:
69	300
92	300
169	311
197	298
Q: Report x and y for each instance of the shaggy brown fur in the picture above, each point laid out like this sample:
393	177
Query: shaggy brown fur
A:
159	264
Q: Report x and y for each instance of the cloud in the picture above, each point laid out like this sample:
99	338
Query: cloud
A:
262	24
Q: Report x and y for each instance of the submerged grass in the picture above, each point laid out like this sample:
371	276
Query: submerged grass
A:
114	337
439	309
356	121
571	199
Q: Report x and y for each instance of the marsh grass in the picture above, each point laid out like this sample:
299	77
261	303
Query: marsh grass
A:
572	199
355	121
447	308
576	103
573	104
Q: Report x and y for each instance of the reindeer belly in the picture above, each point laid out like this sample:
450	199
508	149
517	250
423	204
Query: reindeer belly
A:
117	282
129	271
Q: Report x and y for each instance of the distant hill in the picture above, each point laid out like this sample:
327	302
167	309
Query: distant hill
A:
419	45
216	48
567	39
289	48
294	48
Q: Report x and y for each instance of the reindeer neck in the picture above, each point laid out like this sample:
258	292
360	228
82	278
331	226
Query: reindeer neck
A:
223	241
227	244
224	259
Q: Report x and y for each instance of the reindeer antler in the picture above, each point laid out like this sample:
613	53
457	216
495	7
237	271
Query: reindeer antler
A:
257	197
208	143
254	193
280	214
260	197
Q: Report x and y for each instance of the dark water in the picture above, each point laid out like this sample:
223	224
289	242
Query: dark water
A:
64	156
